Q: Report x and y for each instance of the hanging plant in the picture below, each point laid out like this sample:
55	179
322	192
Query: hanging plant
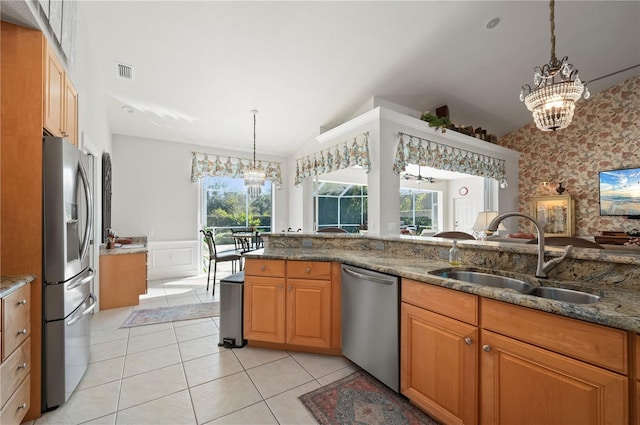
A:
441	123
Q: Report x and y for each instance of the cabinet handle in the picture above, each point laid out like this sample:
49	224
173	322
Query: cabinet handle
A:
22	366
307	270
263	268
22	332
468	341
486	348
290	287
22	406
24	301
279	286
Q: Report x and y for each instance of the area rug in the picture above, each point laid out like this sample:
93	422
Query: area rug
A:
361	399
152	316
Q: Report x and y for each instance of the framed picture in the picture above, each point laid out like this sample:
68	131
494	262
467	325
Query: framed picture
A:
555	214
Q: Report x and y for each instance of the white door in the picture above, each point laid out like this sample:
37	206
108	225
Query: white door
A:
464	214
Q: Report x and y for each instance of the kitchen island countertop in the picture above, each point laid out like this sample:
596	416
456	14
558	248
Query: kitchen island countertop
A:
619	307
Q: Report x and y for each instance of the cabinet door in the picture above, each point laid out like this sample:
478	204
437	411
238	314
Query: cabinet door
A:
525	384
123	278
70	129
264	309
54	89
309	312
439	364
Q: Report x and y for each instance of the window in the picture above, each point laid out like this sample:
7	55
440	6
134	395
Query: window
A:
419	209
341	205
226	206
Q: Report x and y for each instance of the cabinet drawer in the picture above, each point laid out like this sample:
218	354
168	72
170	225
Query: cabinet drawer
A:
16	324
596	344
13	412
258	267
14	370
309	270
454	304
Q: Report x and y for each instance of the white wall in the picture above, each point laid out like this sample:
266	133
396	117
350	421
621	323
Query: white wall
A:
153	196
383	125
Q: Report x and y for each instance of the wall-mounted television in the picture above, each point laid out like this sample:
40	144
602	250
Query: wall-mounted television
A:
620	192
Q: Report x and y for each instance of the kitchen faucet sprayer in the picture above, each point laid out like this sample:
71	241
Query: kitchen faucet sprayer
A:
542	268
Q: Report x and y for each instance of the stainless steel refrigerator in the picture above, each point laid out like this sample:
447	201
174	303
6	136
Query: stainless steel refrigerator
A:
67	294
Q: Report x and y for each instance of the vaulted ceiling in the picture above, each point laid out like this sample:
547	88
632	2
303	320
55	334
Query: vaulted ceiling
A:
199	67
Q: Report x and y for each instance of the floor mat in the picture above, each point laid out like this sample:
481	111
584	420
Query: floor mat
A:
361	399
151	316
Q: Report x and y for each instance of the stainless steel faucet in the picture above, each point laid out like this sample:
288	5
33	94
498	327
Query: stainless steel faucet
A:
543	268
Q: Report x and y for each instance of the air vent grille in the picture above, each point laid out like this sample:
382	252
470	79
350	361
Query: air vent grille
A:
124	71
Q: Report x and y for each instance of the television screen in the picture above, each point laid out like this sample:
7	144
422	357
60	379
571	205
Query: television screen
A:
620	192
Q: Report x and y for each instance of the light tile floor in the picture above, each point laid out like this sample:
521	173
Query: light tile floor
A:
175	373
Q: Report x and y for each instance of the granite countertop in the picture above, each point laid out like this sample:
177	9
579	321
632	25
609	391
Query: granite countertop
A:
133	245
124	249
8	284
618	307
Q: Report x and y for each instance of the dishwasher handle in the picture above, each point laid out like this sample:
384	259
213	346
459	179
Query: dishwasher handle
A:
369	278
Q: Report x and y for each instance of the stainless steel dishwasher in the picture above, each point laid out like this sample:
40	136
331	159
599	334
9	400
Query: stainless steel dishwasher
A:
370	323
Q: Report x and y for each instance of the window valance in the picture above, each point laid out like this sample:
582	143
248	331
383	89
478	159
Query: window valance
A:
427	153
343	155
203	165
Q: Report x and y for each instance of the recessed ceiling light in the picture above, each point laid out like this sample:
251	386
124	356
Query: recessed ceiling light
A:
128	109
493	23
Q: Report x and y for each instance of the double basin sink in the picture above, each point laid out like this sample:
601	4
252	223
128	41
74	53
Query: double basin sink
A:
504	282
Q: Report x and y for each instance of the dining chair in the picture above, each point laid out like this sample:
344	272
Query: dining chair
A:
331	230
567	240
216	257
454	235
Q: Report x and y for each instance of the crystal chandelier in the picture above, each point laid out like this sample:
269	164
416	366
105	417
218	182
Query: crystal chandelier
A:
254	176
553	102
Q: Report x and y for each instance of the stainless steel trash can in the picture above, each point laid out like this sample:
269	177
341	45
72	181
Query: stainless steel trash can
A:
231	311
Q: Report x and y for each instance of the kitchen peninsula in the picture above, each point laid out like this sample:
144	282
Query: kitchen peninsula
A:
123	274
582	354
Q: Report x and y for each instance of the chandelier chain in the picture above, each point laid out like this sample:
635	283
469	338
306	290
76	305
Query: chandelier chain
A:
254	140
553	31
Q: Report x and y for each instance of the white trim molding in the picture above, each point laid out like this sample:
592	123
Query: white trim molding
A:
171	259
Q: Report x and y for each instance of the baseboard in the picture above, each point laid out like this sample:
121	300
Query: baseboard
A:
172	259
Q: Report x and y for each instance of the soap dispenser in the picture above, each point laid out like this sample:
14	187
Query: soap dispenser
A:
455	257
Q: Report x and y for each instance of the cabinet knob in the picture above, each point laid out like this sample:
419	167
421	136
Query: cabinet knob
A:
24	301
468	341
263	268
486	348
22	332
22	366
290	287
22	406
279	286
307	270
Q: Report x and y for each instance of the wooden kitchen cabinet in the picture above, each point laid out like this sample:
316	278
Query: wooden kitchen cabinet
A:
123	278
15	367
439	354
60	99
537	367
289	302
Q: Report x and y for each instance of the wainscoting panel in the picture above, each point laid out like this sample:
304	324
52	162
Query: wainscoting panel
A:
173	259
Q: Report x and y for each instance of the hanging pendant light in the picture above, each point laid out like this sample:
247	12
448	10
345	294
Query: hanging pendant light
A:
254	177
553	102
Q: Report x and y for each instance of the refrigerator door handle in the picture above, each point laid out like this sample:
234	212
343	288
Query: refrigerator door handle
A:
82	281
87	192
88	310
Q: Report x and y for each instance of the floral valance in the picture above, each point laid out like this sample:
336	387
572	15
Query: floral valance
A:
426	153
203	165
343	155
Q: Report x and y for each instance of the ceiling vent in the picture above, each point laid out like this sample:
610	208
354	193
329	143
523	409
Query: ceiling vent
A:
124	71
